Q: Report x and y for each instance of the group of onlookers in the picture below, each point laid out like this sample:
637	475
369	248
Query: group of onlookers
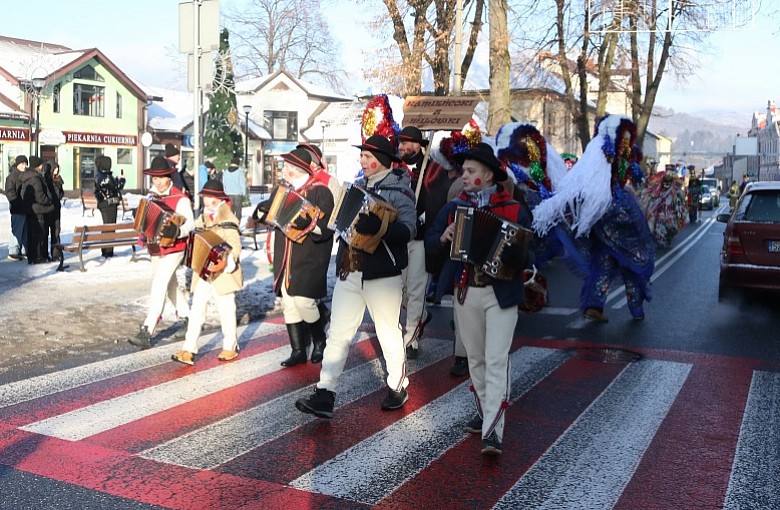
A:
34	191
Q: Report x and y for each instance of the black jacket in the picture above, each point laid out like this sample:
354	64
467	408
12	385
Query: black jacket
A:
13	191
35	193
56	191
308	262
107	190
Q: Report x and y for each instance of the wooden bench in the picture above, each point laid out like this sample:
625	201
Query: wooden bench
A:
89	203
259	190
110	235
252	229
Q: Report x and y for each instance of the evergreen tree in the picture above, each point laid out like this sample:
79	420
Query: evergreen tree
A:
222	137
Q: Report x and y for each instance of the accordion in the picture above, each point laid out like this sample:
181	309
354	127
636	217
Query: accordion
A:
353	201
206	254
480	238
150	217
287	205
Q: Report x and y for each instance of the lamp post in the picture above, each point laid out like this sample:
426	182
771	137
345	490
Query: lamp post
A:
247	109
323	125
37	84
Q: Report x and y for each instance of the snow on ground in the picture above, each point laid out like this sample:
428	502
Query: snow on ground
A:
46	313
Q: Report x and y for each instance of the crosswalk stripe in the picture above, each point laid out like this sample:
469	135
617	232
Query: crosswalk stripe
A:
603	447
754	479
108	414
401	450
220	442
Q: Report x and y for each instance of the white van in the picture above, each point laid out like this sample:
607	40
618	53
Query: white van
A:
714	186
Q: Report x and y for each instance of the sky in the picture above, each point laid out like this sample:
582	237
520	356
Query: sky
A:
142	38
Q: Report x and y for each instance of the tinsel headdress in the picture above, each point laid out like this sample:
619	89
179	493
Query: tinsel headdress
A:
446	146
528	156
585	192
378	119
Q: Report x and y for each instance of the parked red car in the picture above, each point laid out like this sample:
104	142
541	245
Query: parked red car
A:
750	257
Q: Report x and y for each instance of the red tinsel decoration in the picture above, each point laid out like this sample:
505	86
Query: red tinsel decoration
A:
378	119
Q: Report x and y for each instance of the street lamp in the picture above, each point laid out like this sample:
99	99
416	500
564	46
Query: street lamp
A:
37	85
323	125
247	109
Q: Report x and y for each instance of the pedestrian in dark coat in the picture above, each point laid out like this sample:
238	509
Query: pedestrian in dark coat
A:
300	269
17	241
56	191
38	203
108	193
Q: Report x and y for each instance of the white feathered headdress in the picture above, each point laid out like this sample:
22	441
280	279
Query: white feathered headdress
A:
584	194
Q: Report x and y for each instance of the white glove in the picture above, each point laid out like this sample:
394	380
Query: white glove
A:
231	264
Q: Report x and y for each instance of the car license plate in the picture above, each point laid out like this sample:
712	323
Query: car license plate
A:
774	246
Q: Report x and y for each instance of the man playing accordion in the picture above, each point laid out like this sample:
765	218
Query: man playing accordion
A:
485	307
221	286
301	264
370	280
166	259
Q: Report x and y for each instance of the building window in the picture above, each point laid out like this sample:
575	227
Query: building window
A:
118	105
124	156
88	100
281	125
55	95
88	73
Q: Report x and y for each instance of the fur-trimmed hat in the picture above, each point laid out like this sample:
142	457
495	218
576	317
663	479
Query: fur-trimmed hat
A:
103	163
299	158
483	153
529	157
171	150
214	188
159	168
412	134
381	148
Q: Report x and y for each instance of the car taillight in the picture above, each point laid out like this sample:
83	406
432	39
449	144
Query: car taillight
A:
734	246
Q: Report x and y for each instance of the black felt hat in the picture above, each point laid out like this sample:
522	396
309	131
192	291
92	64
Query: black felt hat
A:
214	188
381	148
171	150
314	151
412	134
299	158
159	168
483	153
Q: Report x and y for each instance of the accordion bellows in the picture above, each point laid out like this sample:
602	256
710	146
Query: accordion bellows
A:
151	216
206	254
480	238
287	205
352	201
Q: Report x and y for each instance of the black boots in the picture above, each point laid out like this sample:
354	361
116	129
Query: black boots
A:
300	337
318	335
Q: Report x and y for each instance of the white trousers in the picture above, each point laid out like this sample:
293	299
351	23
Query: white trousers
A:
299	308
226	307
487	331
164	285
415	282
351	297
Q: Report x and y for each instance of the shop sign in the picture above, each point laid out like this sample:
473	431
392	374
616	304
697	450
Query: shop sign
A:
15	134
51	137
99	138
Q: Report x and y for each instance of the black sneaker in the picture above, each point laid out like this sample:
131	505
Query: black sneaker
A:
474	426
412	352
395	399
143	339
491	445
182	331
320	404
460	368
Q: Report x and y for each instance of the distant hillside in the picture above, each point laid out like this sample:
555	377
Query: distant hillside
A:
701	139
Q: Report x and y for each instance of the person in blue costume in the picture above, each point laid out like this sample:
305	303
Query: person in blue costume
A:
599	221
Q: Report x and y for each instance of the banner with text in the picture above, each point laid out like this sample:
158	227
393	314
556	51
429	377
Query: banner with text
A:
438	112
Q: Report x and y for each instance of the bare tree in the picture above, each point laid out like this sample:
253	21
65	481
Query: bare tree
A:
425	39
290	35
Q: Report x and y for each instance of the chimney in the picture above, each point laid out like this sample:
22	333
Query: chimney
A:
770	110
